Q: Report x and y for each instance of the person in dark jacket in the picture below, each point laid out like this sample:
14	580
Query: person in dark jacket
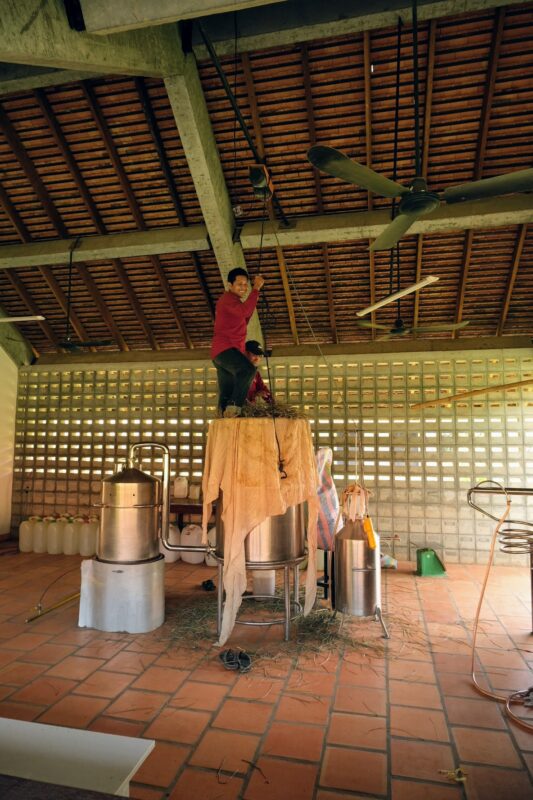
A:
258	388
234	370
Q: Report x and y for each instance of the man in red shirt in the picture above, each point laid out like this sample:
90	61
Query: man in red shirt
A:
234	371
258	388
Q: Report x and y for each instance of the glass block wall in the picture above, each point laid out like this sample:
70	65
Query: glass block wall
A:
74	425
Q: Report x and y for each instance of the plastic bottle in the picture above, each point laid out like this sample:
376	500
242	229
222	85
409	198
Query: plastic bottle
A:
174	538
192	535
40	530
26	534
70	538
212	539
54	535
87	540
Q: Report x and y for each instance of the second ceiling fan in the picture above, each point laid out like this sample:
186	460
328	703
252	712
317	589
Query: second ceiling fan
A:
416	200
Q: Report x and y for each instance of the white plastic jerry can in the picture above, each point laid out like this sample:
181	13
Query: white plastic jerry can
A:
173	538
70	539
39	536
26	535
192	535
212	539
54	537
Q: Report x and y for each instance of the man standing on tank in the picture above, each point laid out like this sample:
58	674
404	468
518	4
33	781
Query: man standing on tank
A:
234	371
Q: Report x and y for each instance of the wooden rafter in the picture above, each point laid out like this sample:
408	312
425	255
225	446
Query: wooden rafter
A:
432	36
367	69
133	204
256	122
453	398
319	201
511	279
41	191
486	108
100	226
171	185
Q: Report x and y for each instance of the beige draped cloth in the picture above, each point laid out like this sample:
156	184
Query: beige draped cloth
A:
242	461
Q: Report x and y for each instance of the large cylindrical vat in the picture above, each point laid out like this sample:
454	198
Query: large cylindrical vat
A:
277	539
129	524
357	571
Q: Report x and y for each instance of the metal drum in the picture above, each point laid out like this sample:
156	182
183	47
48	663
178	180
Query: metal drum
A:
357	572
277	539
129	526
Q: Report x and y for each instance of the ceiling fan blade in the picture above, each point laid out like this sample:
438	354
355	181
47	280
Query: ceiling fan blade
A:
71	345
452	326
521	181
394	232
336	163
363	323
35	318
392	334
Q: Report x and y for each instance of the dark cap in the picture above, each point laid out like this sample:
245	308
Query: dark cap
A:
254	347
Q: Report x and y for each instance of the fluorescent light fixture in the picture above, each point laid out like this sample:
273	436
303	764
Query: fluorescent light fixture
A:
396	296
20	319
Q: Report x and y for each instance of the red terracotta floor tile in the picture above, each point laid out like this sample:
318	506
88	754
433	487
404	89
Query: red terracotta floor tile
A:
421	760
447	662
411	790
362	675
318	662
311	682
178	725
354	770
286	780
74	711
121	727
360	700
146	793
132	663
452	684
200	696
264	690
162	765
509	680
500	658
487	783
215	673
354	730
418	723
103	683
486	747
297	709
225	750
482	713
408	693
302	742
8	656
101	648
326	794
23	711
44	691
26	641
19	673
195	783
48	653
416	671
75	668
161	679
137	705
244	716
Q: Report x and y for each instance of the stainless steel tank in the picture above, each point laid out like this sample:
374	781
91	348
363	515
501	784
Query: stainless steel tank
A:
130	517
277	539
357	572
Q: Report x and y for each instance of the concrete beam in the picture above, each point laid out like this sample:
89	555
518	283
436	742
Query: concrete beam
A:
349	226
343	227
22	78
38	33
196	134
100	16
264	28
308	351
114	245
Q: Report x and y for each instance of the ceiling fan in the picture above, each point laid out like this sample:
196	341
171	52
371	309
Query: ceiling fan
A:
35	318
416	200
401	329
68	343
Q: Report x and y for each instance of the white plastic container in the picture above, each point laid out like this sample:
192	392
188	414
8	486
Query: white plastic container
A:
39	536
264	582
181	486
174	536
70	539
26	535
194	491
192	535
87	539
212	539
54	537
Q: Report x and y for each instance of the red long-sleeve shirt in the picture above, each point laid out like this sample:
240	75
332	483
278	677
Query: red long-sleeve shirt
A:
231	318
258	388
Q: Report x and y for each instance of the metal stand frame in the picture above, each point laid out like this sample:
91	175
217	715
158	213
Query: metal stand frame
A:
289	603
